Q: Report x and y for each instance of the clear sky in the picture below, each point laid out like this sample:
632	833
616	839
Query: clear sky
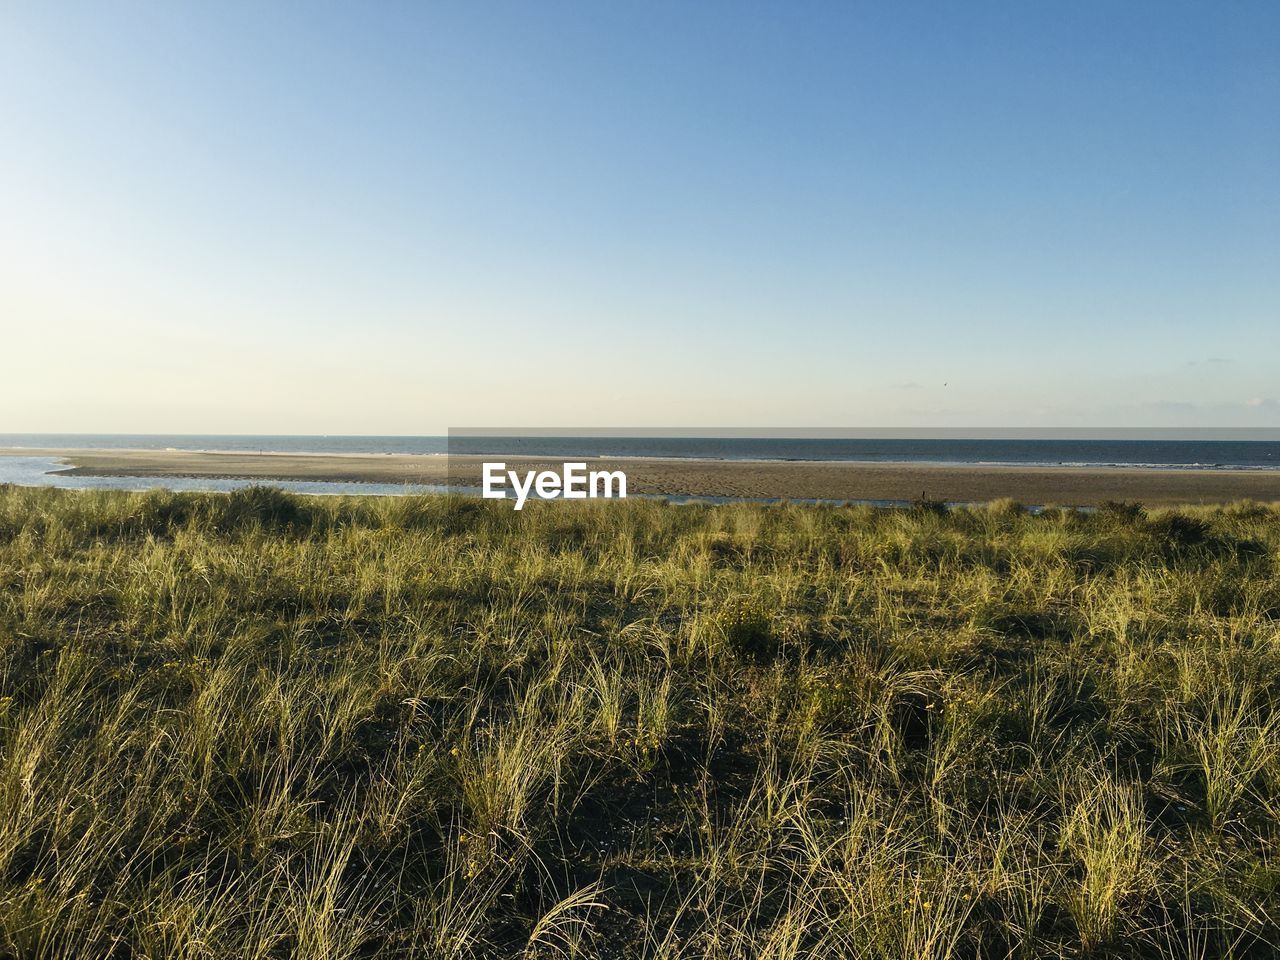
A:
397	217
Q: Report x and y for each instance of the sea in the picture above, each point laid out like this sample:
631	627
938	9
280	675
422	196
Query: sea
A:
1262	453
30	464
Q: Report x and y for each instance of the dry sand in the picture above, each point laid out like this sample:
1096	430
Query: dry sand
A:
1075	486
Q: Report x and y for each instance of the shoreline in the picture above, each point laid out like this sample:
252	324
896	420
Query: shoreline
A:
686	477
141	453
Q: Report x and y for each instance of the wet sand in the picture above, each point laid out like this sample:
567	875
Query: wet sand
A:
1067	486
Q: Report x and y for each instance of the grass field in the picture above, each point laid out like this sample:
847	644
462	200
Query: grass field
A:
263	726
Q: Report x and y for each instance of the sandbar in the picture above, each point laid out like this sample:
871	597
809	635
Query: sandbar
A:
801	480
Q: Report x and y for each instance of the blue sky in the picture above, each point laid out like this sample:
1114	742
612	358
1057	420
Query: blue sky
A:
390	218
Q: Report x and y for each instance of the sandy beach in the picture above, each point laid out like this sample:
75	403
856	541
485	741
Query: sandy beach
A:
1075	486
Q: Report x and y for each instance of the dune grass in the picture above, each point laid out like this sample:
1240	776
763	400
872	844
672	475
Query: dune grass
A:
268	726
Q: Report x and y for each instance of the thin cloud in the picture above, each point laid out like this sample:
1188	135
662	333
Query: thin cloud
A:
1170	406
1186	407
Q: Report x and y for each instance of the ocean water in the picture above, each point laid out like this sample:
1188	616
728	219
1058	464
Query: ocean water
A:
1254	454
1190	454
238	443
